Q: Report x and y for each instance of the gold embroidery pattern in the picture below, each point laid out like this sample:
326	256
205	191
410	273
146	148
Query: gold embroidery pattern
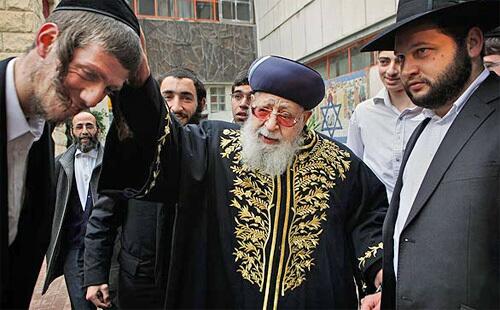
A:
253	196
371	253
314	174
157	164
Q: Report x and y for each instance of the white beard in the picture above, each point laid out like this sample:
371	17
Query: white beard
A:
269	159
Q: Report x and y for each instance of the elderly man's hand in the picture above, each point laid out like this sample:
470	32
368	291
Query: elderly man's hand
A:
99	295
371	302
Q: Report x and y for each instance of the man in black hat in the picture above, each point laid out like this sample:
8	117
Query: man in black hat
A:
492	51
442	230
272	215
85	50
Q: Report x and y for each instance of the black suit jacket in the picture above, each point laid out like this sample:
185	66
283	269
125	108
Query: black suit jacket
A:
449	246
21	261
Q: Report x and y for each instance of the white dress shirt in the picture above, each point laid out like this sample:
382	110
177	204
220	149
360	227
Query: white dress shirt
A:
21	133
84	166
378	133
421	157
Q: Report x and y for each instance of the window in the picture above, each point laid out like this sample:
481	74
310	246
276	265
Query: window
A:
360	60
343	61
179	9
217	99
237	10
339	65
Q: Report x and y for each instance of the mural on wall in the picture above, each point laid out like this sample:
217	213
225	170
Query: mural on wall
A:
217	52
342	95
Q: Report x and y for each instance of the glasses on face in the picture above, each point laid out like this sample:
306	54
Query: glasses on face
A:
239	96
282	118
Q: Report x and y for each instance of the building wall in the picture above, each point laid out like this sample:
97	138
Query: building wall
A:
215	51
19	22
306	29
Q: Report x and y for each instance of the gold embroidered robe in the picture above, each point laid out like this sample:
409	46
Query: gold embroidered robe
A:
243	239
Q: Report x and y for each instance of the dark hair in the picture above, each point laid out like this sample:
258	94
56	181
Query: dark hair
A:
201	92
492	46
78	29
241	79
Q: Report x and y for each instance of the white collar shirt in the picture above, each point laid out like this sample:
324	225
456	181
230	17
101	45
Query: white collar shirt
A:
378	134
21	133
84	166
421	157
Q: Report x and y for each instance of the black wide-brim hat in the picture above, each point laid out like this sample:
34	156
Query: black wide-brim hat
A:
483	13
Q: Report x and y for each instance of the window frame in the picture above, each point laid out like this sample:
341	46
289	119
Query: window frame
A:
214	9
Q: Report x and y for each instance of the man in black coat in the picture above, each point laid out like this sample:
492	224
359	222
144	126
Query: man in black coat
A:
442	230
69	69
146	227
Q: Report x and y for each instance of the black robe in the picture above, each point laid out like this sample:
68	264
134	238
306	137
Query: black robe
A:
243	239
21	261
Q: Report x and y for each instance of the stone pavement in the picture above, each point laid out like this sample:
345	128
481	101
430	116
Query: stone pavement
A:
56	298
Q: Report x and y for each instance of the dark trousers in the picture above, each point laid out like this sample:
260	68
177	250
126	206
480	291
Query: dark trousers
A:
73	275
139	291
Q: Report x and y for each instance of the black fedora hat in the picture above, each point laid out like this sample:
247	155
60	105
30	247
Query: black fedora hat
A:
483	13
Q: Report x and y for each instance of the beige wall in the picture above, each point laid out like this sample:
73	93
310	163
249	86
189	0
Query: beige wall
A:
19	21
305	29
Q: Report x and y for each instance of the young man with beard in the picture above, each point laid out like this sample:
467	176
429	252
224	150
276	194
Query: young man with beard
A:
184	94
241	94
381	126
77	174
146	226
83	52
270	215
442	230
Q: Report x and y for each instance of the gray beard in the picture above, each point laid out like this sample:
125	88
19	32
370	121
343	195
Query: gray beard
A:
269	159
85	148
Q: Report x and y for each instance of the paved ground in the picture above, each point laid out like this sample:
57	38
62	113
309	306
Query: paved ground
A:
56	298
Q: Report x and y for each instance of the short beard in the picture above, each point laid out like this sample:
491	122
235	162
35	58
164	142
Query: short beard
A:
85	148
448	85
269	159
57	86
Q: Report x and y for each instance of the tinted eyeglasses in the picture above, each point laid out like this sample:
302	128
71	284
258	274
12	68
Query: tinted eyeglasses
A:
284	119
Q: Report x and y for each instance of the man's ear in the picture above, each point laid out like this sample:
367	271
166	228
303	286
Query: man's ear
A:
307	115
475	42
202	104
45	38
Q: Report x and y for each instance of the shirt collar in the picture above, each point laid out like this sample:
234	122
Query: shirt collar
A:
17	124
92	153
464	97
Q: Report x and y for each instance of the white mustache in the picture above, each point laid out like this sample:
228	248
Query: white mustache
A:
265	132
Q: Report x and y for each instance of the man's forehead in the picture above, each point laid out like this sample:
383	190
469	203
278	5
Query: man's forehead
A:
84	117
173	82
270	99
242	88
409	34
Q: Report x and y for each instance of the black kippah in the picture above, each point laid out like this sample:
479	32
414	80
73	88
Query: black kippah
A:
116	9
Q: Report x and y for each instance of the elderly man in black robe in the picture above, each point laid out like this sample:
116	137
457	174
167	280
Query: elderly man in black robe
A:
270	215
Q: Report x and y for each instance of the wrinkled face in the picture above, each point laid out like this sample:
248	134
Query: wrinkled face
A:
180	95
92	74
492	63
389	70
85	131
271	129
240	102
273	133
434	70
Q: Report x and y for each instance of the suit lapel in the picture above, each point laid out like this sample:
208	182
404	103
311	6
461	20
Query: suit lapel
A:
473	114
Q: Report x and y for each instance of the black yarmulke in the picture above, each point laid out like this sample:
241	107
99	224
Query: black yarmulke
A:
288	79
117	9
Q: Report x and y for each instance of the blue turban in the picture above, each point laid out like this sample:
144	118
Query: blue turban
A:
288	79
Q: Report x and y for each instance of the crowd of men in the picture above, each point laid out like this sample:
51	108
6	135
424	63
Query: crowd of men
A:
261	212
